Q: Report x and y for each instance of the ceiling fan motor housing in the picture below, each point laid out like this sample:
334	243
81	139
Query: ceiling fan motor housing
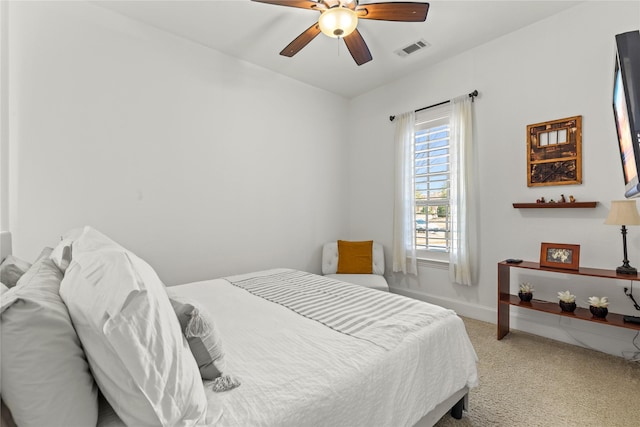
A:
339	21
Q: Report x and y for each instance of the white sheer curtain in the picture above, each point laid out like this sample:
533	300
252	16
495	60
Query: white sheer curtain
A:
461	134
404	243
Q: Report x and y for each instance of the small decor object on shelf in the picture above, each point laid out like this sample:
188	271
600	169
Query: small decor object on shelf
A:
560	255
562	199
624	212
567	301
598	306
526	292
572	199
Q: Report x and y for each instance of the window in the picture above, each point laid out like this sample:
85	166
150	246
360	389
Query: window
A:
432	213
432	181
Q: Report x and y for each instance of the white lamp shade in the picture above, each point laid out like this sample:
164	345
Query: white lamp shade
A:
338	22
623	212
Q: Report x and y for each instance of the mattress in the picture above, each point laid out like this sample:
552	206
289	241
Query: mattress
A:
297	371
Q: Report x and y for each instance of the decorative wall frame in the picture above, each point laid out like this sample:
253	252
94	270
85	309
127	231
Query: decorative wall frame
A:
554	152
560	255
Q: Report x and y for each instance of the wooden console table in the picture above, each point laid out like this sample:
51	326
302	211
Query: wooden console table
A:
505	299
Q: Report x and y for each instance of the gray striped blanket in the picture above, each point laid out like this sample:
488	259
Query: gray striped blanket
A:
381	318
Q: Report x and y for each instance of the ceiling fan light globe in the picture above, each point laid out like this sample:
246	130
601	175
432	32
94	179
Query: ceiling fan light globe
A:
338	22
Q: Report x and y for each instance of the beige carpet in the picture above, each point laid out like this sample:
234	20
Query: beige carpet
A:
526	380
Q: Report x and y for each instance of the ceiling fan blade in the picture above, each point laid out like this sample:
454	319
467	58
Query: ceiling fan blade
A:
401	11
358	48
301	41
302	4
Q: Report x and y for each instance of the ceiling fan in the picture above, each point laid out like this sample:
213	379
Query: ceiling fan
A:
339	18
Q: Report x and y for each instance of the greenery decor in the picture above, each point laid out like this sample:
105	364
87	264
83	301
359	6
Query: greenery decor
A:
525	292
566	296
526	288
567	301
598	306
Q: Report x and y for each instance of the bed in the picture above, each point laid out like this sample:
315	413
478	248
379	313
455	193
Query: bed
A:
312	351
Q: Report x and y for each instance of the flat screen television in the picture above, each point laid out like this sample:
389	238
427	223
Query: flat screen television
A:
626	108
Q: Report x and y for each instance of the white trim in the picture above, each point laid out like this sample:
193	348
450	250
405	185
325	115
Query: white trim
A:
432	254
603	338
5	245
4	116
594	336
433	263
474	311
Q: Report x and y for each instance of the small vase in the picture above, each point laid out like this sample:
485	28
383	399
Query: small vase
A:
600	312
525	296
567	306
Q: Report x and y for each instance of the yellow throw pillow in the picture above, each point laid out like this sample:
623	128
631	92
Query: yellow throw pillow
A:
355	257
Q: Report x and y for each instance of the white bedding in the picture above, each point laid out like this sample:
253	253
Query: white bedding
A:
380	318
298	372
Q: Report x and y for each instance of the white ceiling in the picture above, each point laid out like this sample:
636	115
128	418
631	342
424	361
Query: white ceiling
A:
257	32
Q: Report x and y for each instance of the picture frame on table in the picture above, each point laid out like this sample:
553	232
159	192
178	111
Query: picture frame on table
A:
560	255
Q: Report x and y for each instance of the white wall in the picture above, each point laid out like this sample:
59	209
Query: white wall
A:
4	118
202	164
205	165
556	68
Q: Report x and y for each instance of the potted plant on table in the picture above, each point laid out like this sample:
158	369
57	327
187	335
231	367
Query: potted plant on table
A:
598	306
526	291
567	301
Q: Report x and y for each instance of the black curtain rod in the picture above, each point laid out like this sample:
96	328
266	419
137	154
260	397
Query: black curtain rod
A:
472	95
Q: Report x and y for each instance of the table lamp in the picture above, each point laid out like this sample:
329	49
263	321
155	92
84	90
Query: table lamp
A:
624	212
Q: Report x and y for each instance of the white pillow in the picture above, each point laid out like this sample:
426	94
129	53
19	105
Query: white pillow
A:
45	376
93	241
131	335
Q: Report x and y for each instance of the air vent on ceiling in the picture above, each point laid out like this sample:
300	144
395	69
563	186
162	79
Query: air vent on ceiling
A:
412	48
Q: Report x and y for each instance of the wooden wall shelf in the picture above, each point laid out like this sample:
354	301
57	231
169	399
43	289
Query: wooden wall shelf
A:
505	299
555	205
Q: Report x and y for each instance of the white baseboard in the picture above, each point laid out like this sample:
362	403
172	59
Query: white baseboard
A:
607	339
474	311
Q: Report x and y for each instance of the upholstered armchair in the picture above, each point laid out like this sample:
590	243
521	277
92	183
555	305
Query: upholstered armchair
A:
374	280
